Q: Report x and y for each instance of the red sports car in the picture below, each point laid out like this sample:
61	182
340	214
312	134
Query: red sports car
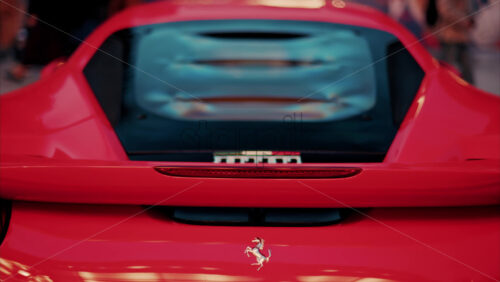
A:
263	140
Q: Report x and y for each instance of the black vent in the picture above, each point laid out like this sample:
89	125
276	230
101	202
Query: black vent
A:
254	35
5	211
252	216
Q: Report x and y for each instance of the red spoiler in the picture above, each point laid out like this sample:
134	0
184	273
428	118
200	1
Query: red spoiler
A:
363	185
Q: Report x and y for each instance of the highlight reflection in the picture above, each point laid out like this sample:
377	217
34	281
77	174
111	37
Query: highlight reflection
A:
151	276
13	270
20	272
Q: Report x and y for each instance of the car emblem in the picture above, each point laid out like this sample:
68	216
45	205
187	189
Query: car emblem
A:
256	252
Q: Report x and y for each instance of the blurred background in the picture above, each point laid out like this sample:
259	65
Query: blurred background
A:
463	33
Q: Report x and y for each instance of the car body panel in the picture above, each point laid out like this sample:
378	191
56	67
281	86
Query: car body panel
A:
124	243
65	120
136	182
61	148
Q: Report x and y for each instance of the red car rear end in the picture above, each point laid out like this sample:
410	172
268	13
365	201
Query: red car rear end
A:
250	142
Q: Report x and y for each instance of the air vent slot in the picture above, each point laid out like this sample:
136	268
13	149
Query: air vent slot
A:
253	216
5	212
254	35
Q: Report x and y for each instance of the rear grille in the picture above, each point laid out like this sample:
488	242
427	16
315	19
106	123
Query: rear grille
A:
252	216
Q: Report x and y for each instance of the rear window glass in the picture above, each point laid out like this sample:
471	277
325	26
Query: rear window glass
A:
185	91
220	71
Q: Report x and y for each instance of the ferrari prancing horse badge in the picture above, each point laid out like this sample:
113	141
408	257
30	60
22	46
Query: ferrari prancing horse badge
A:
256	251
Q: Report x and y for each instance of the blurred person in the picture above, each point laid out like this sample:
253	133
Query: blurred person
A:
11	21
44	43
51	32
486	33
429	39
89	14
431	13
409	13
453	25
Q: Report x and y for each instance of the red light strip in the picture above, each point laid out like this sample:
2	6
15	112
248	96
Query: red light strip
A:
259	172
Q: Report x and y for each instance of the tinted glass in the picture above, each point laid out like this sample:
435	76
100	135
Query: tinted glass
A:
191	89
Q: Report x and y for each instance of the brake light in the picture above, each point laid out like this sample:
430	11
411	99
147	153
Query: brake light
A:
259	172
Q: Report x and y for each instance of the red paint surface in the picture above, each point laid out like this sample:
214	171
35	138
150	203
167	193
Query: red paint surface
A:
118	246
137	182
57	146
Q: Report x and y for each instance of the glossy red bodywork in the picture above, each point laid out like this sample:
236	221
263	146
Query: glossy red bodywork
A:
118	246
57	146
378	185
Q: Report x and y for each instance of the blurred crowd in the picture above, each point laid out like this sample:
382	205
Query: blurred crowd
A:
448	27
36	32
39	31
